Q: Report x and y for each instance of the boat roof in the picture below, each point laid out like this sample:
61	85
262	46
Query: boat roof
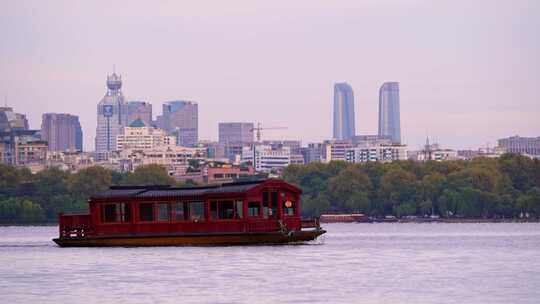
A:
160	191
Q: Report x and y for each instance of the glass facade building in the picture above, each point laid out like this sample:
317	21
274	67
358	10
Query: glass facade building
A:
181	118
389	121
343	111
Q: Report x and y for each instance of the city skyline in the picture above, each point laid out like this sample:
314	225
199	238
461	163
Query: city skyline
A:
464	83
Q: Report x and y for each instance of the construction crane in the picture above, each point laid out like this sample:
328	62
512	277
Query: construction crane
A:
259	128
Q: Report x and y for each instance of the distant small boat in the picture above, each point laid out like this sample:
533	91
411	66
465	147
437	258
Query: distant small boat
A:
344	218
257	212
386	219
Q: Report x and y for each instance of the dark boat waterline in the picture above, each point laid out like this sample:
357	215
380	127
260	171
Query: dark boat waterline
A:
218	239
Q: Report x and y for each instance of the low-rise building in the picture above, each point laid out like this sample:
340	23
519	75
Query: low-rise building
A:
336	150
226	173
70	161
313	152
265	159
174	158
376	152
19	147
138	136
521	145
293	145
297	159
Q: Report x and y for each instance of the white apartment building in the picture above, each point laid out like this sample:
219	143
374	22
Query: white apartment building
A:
377	152
265	159
438	155
337	150
143	138
174	158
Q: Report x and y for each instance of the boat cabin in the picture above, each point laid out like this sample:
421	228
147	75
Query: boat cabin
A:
243	207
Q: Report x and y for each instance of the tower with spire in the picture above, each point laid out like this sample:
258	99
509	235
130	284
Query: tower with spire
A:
112	116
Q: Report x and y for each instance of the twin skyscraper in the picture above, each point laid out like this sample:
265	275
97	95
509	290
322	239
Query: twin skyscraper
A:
389	118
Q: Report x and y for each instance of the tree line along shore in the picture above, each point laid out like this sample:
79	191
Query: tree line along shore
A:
484	189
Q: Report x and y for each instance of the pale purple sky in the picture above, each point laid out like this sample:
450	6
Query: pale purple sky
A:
469	71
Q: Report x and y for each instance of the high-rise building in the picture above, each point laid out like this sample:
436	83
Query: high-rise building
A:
236	133
62	132
10	120
389	122
140	110
343	111
112	115
181	118
19	146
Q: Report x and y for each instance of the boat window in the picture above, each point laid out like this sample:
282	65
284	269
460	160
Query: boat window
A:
109	213
125	212
119	212
197	211
180	211
239	210
146	212
274	201
163	211
265	204
213	210
254	208
226	210
288	207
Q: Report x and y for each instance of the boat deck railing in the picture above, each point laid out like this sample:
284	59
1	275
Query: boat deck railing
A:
75	225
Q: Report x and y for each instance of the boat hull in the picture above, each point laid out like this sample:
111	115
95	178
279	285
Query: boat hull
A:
192	240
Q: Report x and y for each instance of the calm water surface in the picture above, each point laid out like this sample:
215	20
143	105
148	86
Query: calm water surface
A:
356	263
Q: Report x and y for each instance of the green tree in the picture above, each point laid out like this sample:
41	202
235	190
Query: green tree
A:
397	187
315	206
150	175
17	210
350	190
405	209
520	169
90	181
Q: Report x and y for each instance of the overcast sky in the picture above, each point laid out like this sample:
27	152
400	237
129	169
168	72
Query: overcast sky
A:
469	71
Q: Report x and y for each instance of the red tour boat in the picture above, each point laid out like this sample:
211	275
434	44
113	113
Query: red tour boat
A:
257	212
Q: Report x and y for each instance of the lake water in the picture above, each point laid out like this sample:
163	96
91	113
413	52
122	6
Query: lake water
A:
353	263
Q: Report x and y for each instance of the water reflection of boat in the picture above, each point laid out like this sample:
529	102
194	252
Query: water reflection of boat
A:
258	212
